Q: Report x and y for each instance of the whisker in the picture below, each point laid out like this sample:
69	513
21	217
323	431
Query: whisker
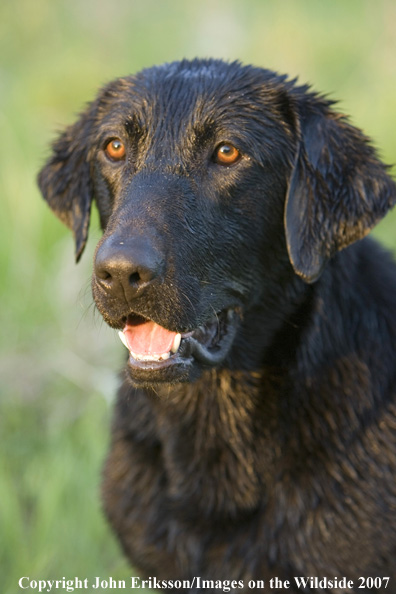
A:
216	316
190	302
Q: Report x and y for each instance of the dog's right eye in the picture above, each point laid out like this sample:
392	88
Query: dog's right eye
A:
115	150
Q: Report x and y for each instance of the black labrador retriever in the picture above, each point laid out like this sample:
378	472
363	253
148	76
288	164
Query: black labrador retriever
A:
255	431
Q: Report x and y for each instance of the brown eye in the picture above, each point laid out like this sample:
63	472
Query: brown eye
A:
115	149
226	154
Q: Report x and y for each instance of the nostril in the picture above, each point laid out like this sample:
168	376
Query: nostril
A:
104	275
134	279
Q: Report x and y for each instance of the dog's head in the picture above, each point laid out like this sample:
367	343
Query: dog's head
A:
216	184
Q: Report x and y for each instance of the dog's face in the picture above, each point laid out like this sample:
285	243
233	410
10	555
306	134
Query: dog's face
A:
191	165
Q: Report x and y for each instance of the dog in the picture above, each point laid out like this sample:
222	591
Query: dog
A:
254	435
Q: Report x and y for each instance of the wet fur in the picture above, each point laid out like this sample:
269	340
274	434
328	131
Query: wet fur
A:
282	460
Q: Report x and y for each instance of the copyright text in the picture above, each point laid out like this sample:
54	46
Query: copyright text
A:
152	583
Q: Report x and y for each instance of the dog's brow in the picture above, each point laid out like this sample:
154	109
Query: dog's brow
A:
134	126
203	132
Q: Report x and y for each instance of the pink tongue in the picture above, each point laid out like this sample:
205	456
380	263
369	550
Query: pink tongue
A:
148	338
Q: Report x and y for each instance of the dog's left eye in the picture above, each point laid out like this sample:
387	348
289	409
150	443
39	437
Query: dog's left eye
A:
115	149
226	154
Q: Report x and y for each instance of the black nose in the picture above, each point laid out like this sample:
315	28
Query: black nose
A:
124	267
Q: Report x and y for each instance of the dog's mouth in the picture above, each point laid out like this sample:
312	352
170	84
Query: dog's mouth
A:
153	347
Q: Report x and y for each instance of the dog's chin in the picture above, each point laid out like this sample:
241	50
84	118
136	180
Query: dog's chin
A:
206	346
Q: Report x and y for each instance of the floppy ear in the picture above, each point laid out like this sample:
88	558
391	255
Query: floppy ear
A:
65	180
337	192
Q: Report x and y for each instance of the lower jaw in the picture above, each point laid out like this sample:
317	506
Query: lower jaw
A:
147	375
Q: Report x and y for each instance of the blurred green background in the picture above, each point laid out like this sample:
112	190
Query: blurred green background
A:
58	366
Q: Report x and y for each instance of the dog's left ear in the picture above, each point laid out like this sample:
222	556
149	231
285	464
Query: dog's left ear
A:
338	190
65	180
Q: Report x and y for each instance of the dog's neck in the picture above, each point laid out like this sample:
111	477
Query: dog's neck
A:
211	431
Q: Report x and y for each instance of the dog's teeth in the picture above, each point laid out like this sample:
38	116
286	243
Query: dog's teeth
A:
176	343
123	339
139	357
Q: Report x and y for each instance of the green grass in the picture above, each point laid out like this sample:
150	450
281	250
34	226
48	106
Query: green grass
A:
58	362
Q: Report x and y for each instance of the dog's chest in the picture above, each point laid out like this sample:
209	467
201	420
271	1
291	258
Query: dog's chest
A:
185	467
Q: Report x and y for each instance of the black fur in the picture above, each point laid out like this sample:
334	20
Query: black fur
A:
274	453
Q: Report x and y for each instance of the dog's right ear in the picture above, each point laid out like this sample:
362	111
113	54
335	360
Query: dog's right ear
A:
65	180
